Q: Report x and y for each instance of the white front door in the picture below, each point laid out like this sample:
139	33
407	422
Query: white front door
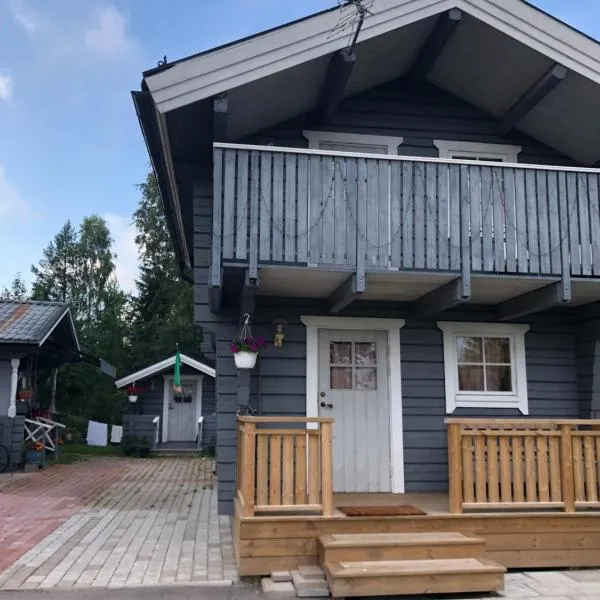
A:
354	390
182	413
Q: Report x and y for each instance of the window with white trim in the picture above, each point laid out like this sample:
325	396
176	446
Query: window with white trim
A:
352	142
484	365
477	151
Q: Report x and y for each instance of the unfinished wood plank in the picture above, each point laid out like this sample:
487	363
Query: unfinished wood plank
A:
542	468
578	470
467	470
287	497
505	472
274	469
566	467
518	469
262	469
555	478
281	547
326	469
591	482
300	494
455	472
249	468
530	470
480	470
313	468
492	462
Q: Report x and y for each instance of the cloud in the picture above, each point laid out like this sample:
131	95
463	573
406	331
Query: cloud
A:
25	16
107	35
12	206
123	233
6	87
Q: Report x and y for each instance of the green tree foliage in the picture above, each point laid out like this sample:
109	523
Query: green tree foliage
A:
15	290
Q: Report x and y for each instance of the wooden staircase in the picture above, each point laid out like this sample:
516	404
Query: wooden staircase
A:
390	564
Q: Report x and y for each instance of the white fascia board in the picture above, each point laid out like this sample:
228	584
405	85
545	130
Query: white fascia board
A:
165	364
286	47
235	65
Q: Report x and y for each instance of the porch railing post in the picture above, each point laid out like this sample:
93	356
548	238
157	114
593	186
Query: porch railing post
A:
455	471
249	468
566	468
326	470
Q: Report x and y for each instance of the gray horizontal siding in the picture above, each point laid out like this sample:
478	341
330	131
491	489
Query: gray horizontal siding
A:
5	374
12	433
139	426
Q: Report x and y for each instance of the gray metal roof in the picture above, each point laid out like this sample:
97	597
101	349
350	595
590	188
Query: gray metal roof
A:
29	322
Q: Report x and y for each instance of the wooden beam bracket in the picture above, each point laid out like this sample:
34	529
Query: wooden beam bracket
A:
337	77
443	298
538	300
346	293
248	294
220	109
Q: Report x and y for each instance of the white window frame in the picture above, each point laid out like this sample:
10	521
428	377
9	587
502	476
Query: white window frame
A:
517	399
315	138
498	152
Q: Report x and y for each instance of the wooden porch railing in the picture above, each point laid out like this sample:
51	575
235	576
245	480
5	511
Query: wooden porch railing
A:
284	469
501	463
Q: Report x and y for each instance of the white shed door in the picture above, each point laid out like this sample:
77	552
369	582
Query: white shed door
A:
353	389
182	413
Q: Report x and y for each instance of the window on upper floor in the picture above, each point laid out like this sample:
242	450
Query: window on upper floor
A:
477	151
352	142
484	366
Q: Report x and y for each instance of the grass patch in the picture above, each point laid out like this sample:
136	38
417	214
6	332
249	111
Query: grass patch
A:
70	453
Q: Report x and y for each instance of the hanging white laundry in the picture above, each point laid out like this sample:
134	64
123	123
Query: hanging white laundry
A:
97	434
116	434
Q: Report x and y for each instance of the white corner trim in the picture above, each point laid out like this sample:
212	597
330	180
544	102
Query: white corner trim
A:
504	152
315	138
392	327
161	366
168	390
517	399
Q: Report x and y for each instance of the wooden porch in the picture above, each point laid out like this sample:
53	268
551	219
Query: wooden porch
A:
528	488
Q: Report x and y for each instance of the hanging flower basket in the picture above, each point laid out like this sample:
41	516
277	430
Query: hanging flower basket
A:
24	394
245	360
132	398
245	349
133	392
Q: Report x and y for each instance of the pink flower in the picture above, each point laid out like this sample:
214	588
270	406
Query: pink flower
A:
234	348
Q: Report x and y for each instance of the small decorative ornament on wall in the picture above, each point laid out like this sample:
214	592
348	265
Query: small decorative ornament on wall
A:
245	348
279	335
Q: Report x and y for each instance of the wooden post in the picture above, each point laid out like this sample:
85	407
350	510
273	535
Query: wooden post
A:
249	468
566	468
326	470
455	474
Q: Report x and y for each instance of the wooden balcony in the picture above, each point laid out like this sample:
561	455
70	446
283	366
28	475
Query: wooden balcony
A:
368	214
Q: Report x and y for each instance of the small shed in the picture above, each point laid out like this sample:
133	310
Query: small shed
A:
171	419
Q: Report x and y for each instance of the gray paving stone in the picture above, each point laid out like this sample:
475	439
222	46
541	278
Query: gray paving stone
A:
273	589
281	576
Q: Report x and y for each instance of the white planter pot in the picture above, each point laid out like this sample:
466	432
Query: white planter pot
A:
245	360
132	399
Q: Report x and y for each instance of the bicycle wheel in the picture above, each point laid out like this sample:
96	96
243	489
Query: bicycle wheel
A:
4	459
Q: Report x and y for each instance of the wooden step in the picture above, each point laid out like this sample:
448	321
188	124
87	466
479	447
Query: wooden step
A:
409	577
350	547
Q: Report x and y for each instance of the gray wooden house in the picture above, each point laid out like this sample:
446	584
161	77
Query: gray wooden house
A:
170	419
413	199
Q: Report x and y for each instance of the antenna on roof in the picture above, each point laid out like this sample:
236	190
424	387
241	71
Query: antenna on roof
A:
163	62
353	13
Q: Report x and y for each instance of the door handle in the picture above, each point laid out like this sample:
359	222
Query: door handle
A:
326	405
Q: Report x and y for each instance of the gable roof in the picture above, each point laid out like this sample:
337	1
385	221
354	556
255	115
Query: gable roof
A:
32	322
161	366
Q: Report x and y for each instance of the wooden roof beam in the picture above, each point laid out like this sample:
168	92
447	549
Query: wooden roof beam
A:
532	97
433	47
453	293
346	293
336	79
538	300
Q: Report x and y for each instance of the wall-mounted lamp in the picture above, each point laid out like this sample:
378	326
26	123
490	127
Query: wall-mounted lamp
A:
279	333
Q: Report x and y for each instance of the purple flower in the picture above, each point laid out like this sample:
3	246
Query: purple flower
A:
254	347
248	341
234	348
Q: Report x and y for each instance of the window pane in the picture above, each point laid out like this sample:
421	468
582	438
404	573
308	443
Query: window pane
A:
498	379
469	349
366	353
340	353
340	378
366	378
497	350
470	378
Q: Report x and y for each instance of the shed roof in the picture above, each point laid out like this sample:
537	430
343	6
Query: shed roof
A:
32	322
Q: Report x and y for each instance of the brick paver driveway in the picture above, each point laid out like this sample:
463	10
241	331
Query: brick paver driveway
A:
114	523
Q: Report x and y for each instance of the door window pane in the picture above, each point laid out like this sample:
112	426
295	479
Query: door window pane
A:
366	378
340	378
366	353
340	353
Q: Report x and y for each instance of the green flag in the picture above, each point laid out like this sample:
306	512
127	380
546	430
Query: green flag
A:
177	374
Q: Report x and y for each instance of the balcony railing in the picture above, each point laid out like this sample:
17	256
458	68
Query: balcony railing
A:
366	212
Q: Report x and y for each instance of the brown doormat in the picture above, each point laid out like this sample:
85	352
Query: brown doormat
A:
381	511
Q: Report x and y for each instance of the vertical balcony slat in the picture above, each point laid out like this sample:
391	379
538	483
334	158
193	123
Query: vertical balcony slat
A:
563	207
573	223
454	208
351	209
229	200
419	216
315	221
488	219
510	232
396	212
303	208
361	218
584	224
543	225
217	238
328	212
372	229
554	217
431	208
242	206
254	213
475	201
594	221
520	223
277	222
383	212
340	213
407	215
266	205
443	218
532	223
499	219
290	208
465	243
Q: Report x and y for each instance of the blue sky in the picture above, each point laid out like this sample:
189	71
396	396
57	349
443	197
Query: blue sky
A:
70	144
